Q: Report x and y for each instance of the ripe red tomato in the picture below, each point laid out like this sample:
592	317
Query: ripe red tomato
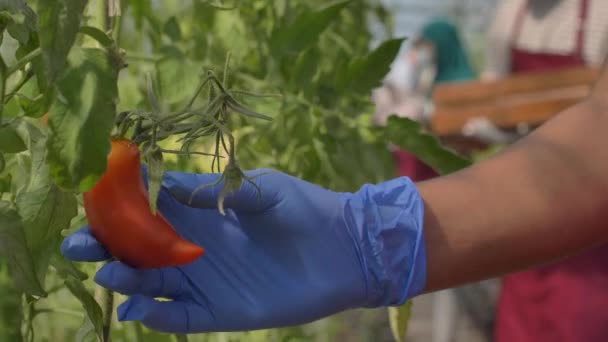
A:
120	218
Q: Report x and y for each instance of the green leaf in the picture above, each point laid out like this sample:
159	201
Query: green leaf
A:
92	308
410	136
86	332
367	72
399	318
11	109
152	98
34	108
29	133
237	107
10	141
66	268
13	248
46	210
142	10
22	22
21	170
38	66
304	30
11	308
59	23
176	79
7	163
305	68
154	157
81	120
172	29
5	182
98	35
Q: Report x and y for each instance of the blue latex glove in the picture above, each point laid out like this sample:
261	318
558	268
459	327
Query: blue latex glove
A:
300	254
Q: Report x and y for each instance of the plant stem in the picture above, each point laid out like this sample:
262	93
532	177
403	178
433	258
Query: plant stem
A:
56	288
187	153
197	93
139	333
108	309
3	77
30	321
115	18
104	15
28	75
114	8
23	61
181	338
59	310
142	57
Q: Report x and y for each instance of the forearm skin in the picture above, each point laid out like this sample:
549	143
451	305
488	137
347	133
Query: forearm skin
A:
542	199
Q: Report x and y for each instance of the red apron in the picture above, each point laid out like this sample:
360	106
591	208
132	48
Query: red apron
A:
410	166
568	300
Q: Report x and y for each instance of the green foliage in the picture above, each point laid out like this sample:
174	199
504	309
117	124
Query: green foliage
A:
94	318
98	35
177	78
399	318
13	247
364	73
85	102
296	36
46	210
10	308
18	19
154	160
59	22
66	269
410	136
10	142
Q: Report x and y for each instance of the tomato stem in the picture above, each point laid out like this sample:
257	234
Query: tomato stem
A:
23	61
181	338
226	67
248	93
3	77
209	120
108	308
26	77
189	152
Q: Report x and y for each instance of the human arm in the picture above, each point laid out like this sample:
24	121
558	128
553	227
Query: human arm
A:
542	199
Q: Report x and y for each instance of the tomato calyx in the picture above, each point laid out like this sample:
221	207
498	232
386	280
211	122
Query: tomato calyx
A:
193	123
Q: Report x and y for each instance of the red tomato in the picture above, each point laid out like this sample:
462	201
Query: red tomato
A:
120	218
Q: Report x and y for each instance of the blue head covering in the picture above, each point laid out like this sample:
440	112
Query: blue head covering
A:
450	57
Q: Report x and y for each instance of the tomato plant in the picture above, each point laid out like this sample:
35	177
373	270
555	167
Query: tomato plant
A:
196	86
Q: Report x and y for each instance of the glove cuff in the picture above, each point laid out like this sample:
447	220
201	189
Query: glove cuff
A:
387	221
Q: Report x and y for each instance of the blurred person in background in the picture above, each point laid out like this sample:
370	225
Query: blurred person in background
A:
545	35
403	91
563	301
438	56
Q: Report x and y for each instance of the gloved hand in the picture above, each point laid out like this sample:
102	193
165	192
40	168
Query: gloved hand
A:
300	254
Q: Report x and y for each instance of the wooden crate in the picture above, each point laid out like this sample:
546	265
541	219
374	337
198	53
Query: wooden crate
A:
526	98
